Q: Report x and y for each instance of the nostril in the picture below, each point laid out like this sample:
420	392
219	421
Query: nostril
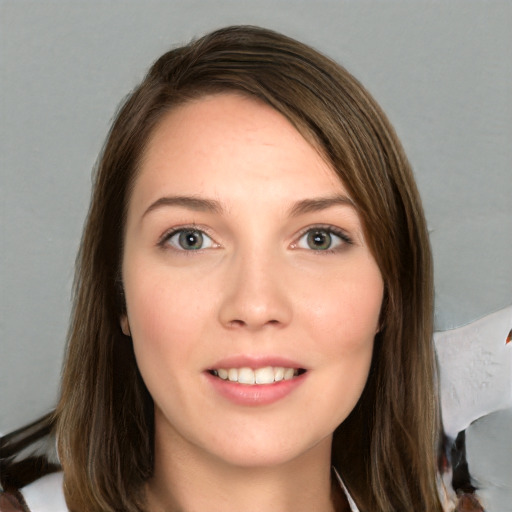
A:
241	323
236	323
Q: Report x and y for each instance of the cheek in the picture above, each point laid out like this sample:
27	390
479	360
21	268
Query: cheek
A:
346	326
345	313
165	318
343	317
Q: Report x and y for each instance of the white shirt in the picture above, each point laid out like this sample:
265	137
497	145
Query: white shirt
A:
45	494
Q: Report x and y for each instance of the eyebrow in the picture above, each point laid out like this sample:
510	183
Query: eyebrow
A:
200	204
197	204
320	203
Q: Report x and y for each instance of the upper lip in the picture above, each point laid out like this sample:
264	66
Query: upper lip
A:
255	361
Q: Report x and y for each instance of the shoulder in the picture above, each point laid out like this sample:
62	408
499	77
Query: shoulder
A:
45	494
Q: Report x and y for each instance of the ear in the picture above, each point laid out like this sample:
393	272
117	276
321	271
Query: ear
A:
125	325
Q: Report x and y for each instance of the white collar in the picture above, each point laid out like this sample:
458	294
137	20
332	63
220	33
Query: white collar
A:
351	502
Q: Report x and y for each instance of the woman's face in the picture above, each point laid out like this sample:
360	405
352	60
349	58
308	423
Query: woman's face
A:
252	296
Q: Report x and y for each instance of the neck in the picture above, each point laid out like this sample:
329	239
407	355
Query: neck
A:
186	480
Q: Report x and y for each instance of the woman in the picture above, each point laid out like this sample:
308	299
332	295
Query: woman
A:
252	323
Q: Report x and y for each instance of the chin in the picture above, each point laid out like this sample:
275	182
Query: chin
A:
263	458
266	451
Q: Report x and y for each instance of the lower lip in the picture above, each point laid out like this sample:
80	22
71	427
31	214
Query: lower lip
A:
255	394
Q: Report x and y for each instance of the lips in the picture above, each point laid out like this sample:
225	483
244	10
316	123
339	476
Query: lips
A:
255	380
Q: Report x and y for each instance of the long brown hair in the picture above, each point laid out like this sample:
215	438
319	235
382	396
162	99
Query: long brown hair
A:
386	449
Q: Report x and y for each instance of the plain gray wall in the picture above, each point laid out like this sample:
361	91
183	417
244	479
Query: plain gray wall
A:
441	70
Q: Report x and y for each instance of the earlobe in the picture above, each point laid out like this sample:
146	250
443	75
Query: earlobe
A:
125	325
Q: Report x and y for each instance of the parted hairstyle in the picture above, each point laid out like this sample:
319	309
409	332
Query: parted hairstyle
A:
386	449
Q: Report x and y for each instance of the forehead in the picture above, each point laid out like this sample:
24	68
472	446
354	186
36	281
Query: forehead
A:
218	142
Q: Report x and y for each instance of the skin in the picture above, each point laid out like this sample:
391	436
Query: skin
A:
256	287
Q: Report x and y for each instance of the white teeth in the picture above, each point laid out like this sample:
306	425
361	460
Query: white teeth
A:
278	374
288	373
246	376
266	375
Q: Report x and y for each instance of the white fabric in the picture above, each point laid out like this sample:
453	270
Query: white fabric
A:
353	506
475	365
46	494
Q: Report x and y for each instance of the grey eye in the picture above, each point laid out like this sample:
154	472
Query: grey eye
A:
190	240
319	239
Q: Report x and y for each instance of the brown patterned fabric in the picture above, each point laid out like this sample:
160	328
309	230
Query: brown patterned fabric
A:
468	503
10	502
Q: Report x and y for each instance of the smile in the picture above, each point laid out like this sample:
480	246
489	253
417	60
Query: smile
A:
249	376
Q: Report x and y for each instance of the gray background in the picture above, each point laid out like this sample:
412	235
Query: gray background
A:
441	70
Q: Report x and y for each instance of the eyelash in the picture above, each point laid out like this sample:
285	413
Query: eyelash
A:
163	242
328	229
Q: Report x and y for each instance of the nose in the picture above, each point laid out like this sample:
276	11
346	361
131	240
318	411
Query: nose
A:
255	294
